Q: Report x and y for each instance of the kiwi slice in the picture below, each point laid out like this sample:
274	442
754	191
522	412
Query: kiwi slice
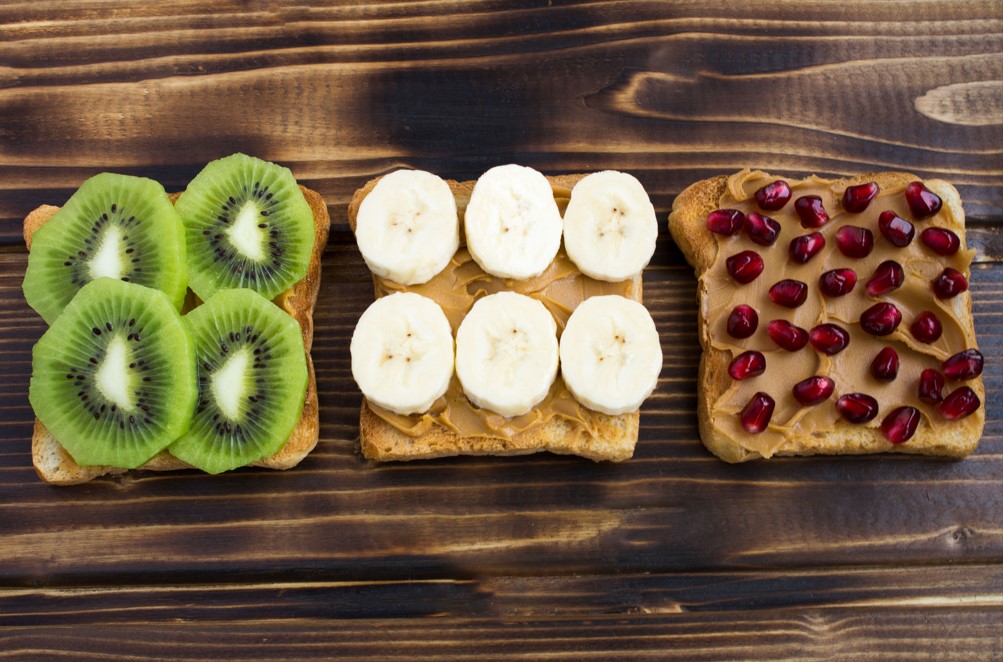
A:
114	226
248	226
252	379
113	378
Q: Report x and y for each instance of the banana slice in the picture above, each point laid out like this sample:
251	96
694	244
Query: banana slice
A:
407	227
610	354
610	226
402	353
513	225
506	353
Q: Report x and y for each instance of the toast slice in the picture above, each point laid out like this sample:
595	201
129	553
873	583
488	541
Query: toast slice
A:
54	465
595	436
820	429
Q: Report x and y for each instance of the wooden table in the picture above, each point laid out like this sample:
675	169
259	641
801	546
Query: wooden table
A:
671	554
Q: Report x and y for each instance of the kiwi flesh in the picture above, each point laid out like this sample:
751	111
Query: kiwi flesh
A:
113	378
114	226
252	380
248	226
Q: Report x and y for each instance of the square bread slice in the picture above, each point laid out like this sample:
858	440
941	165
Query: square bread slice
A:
819	429
54	465
604	438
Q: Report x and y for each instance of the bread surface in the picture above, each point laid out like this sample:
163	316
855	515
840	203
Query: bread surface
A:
54	465
687	224
614	439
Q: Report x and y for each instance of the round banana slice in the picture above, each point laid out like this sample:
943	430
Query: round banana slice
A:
610	226
506	353
407	227
513	225
402	353
610	354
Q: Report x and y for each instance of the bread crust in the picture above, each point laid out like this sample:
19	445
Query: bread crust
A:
55	466
687	224
615	438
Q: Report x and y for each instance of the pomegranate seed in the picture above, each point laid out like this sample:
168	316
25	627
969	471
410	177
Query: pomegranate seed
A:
786	335
806	247
746	365
960	403
931	386
789	293
811	211
856	198
922	201
885	365
949	284
829	338
926	327
898	231
743	321
900	425
837	282
761	229
813	390
941	240
881	319
745	267
857	407
888	277
854	241
756	415
773	196
963	365
725	221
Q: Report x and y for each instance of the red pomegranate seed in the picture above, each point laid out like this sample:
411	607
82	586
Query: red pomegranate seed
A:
725	221
922	201
926	327
745	267
949	284
959	403
931	386
888	277
829	338
813	390
806	247
885	365
810	211
900	425
746	365
773	196
856	198
789	293
837	282
963	365
761	229
786	335
743	321
756	415
857	407
854	241
881	319
941	240
898	231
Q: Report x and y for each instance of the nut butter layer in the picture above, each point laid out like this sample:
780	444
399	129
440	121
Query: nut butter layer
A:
893	272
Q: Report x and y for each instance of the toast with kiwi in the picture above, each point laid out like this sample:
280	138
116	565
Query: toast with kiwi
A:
56	465
577	430
835	316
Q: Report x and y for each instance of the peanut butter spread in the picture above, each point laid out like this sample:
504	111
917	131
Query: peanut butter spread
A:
850	368
560	288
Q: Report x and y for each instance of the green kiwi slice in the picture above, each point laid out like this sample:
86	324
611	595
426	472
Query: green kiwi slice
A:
114	226
248	226
252	380
113	378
